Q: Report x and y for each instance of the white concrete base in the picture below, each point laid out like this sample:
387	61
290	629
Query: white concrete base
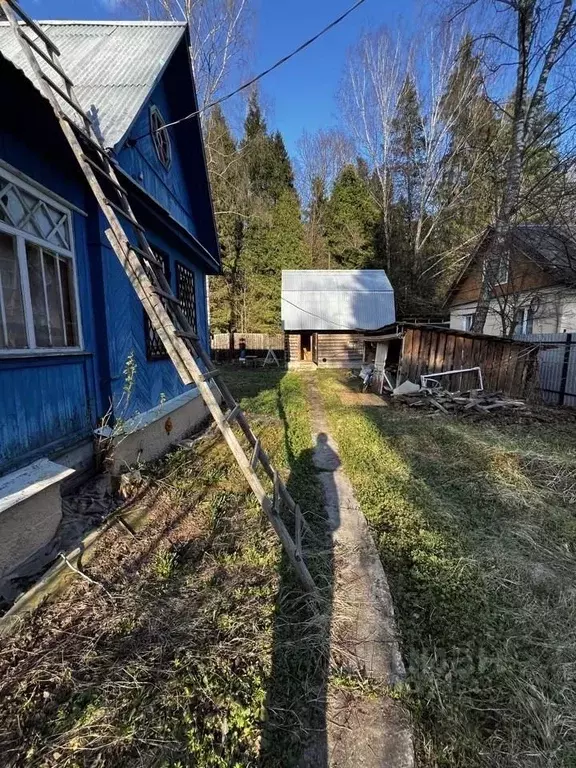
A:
30	511
149	435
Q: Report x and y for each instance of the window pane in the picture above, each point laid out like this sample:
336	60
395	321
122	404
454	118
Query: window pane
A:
53	295
11	308
34	258
69	302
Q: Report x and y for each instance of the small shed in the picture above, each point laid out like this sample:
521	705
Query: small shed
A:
325	312
403	351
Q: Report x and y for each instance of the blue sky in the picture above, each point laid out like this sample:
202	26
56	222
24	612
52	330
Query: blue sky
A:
301	94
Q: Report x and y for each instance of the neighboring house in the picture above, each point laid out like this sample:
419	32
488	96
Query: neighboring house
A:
534	290
325	311
75	347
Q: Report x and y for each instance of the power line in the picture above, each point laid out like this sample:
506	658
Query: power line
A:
258	77
319	317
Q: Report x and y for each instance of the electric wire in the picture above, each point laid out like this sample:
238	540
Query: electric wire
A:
255	79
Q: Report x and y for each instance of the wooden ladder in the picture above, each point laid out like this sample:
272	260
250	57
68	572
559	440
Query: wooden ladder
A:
145	272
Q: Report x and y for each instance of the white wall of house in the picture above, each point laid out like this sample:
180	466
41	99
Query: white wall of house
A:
556	313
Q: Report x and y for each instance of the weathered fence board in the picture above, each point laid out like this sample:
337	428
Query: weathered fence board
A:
256	344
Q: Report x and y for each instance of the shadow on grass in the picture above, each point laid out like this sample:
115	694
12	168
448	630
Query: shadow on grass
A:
295	728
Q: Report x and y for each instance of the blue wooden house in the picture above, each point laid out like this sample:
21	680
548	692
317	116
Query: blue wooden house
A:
76	350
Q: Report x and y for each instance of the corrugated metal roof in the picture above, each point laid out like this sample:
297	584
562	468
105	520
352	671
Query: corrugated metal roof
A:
114	65
336	299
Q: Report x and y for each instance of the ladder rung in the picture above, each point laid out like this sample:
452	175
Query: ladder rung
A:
255	454
231	415
187	335
124	213
167	295
67	99
145	255
104	173
276	498
43	55
83	136
31	23
210	374
148	256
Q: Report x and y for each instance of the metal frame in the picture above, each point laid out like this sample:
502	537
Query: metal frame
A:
425	377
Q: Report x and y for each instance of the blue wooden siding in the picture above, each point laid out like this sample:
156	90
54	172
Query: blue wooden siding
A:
166	185
47	403
155	380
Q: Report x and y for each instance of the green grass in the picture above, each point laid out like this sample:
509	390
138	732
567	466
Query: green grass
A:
202	652
476	529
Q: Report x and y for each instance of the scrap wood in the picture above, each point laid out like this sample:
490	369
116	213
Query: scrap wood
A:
459	403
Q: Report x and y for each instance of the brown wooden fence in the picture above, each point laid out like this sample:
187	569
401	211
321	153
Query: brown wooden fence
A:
256	344
507	366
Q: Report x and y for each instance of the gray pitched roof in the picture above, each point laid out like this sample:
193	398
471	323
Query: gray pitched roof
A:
552	248
114	65
336	299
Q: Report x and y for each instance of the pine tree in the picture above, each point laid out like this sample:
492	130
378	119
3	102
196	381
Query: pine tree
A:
273	243
351	218
408	150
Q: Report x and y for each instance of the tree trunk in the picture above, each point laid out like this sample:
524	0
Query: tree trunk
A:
524	111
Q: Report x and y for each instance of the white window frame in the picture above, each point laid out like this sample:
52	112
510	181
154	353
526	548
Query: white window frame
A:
521	326
21	237
465	321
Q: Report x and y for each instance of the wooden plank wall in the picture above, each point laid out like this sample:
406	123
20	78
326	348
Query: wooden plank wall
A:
292	346
339	350
506	367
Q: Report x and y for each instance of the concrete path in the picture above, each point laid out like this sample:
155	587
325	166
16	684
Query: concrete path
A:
363	731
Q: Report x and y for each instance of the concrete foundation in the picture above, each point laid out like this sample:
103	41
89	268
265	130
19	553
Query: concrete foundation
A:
149	435
30	511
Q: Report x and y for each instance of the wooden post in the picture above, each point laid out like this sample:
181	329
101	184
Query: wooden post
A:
565	364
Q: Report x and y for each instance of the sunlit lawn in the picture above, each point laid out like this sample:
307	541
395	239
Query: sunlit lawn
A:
476	528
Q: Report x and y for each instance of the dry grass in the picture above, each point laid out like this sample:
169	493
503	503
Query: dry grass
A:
200	650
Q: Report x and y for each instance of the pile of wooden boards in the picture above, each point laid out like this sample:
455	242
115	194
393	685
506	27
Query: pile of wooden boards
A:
460	403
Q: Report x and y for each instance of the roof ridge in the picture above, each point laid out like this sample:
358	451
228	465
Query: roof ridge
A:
104	22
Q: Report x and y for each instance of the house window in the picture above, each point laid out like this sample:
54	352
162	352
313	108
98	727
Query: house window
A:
524	319
468	321
160	138
186	292
154	346
502	271
38	302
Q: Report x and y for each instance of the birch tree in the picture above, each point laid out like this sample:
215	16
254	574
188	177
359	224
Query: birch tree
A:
219	38
375	70
382	85
321	157
541	38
